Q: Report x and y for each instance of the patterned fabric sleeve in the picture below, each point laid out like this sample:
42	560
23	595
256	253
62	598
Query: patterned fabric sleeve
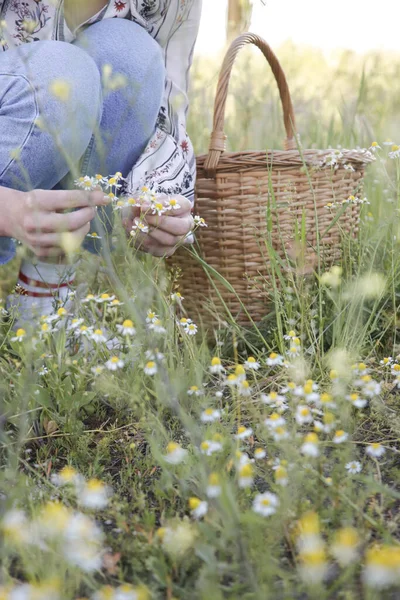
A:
168	164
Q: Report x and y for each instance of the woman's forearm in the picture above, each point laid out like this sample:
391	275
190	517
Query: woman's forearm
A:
9	198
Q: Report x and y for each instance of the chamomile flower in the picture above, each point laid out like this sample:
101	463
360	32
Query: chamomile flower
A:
190	328
172	204
244	388
279	433
375	450
199	221
93	235
209	447
175	454
325	400
89	298
356	400
198	508
20	335
251	363
75	324
94	494
259	453
213	489
345	545
243	433
273	398
98	336
194	390
303	414
281	476
265	504
150	368
274	359
245	475
139	225
114	363
216	366
177	297
395	151
14	526
387	361
151	316
353	467
67	476
310	445
209	415
290	336
126	328
382	566
97	370
340	436
374	147
104	298
274	421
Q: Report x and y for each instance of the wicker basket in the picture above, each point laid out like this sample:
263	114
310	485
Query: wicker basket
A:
239	193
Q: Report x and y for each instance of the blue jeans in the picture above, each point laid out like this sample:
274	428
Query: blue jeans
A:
45	136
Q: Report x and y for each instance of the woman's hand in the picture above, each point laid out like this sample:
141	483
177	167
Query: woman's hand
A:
37	218
166	231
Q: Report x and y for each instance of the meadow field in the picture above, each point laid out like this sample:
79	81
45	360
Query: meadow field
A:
260	463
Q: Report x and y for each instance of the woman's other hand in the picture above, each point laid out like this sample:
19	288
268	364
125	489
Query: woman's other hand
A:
38	218
166	231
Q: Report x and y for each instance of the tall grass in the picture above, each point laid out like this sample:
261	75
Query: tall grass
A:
261	466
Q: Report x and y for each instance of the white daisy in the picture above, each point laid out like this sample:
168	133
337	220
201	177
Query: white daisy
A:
265	504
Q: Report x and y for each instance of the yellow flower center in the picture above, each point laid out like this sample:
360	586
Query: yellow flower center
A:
98	332
95	485
150	365
273	355
246	470
311	438
194	503
114	360
172	446
21	332
127	323
213	479
61	311
215	361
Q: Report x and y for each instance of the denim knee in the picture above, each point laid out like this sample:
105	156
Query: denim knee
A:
57	88
131	52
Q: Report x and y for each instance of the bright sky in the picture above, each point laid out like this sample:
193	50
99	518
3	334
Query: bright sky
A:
359	25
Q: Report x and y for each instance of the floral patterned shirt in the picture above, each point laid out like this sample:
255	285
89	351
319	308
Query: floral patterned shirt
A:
167	165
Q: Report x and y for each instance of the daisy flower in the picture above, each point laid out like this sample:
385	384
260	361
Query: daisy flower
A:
310	445
190	328
281	476
303	414
208	447
265	504
251	363
97	370
194	391
274	359
94	494
19	335
213	488
216	366
375	450
126	328
150	368
374	147
340	436
279	433
198	508
67	476
199	221
353	467
209	415
175	454
244	388
245	475
172	204
272	398
382	566
139	225
158	208
275	420
243	433
345	546
356	400
177	297
98	336
114	363
104	298
259	453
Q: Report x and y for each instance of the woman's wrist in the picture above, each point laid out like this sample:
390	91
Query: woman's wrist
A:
10	202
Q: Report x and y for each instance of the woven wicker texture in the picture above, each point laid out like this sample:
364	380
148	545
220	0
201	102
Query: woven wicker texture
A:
238	193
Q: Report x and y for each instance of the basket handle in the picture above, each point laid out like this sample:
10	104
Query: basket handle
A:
218	137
